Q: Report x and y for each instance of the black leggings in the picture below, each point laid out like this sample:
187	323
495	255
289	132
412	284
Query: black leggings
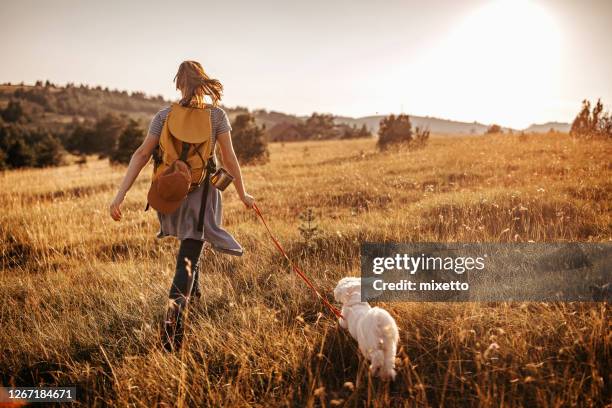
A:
187	270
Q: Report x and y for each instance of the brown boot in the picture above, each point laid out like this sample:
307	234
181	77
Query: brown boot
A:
172	328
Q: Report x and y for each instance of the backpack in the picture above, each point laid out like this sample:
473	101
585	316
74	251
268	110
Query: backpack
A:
183	159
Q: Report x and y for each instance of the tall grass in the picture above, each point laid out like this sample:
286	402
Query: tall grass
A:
82	296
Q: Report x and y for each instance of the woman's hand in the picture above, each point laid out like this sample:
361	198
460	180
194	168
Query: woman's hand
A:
248	200
115	208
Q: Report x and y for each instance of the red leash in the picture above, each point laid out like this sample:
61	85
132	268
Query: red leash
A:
297	270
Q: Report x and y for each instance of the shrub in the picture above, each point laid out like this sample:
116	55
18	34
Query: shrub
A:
24	147
494	129
106	134
129	140
13	112
47	149
100	137
394	130
248	139
78	139
592	123
352	132
421	136
319	126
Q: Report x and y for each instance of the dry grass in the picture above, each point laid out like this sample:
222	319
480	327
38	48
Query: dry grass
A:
82	295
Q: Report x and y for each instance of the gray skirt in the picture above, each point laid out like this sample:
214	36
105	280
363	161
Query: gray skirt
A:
183	223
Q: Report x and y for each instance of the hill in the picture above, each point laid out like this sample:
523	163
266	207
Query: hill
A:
54	105
51	104
545	127
435	125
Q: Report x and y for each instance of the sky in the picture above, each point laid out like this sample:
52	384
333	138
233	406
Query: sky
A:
512	62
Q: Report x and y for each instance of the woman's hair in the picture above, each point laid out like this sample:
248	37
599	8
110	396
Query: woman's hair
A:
195	84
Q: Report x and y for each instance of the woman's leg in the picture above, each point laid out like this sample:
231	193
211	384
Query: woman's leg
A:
187	264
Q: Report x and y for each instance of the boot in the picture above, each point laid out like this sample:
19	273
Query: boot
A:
173	329
196	293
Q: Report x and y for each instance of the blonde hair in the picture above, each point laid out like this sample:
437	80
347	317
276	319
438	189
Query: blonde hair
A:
194	83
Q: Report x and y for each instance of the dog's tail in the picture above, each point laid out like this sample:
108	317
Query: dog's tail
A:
389	337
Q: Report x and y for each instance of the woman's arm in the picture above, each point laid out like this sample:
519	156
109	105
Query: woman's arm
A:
139	159
233	167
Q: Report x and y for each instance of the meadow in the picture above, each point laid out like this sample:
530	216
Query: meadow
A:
82	296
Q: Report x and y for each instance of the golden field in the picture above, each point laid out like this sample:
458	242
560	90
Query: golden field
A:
82	295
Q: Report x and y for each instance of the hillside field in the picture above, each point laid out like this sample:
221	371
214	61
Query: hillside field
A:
82	295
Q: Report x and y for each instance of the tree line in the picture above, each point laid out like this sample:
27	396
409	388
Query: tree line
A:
318	126
23	143
27	140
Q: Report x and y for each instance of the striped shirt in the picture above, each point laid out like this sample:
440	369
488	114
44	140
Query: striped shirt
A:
219	121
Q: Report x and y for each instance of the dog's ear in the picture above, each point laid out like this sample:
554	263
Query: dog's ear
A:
346	288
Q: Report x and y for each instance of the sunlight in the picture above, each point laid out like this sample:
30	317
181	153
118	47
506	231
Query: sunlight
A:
504	57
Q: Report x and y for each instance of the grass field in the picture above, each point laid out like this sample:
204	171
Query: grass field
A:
82	295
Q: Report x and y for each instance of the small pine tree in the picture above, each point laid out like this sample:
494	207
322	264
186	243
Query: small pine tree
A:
249	140
129	140
309	230
394	130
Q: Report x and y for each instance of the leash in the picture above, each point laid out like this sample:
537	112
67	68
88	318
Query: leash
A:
295	268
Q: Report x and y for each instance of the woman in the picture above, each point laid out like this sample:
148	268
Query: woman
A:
194	85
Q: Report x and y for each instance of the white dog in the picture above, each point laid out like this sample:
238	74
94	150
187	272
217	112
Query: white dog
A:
373	328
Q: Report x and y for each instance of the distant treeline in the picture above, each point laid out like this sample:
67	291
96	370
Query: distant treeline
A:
319	126
40	123
81	100
23	143
27	142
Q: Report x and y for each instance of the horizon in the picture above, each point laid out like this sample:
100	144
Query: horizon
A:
382	114
513	63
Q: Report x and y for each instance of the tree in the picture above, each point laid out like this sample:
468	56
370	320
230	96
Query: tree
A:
3	164
23	147
592	123
248	139
17	152
13	112
106	134
48	150
78	140
494	129
319	126
364	132
394	130
129	140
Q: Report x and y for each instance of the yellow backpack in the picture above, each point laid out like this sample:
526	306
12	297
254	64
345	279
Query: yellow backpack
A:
186	137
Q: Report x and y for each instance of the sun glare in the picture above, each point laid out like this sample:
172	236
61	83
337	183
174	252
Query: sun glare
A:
502	58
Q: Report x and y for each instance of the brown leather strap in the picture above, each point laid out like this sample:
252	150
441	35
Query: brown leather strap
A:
209	170
184	151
